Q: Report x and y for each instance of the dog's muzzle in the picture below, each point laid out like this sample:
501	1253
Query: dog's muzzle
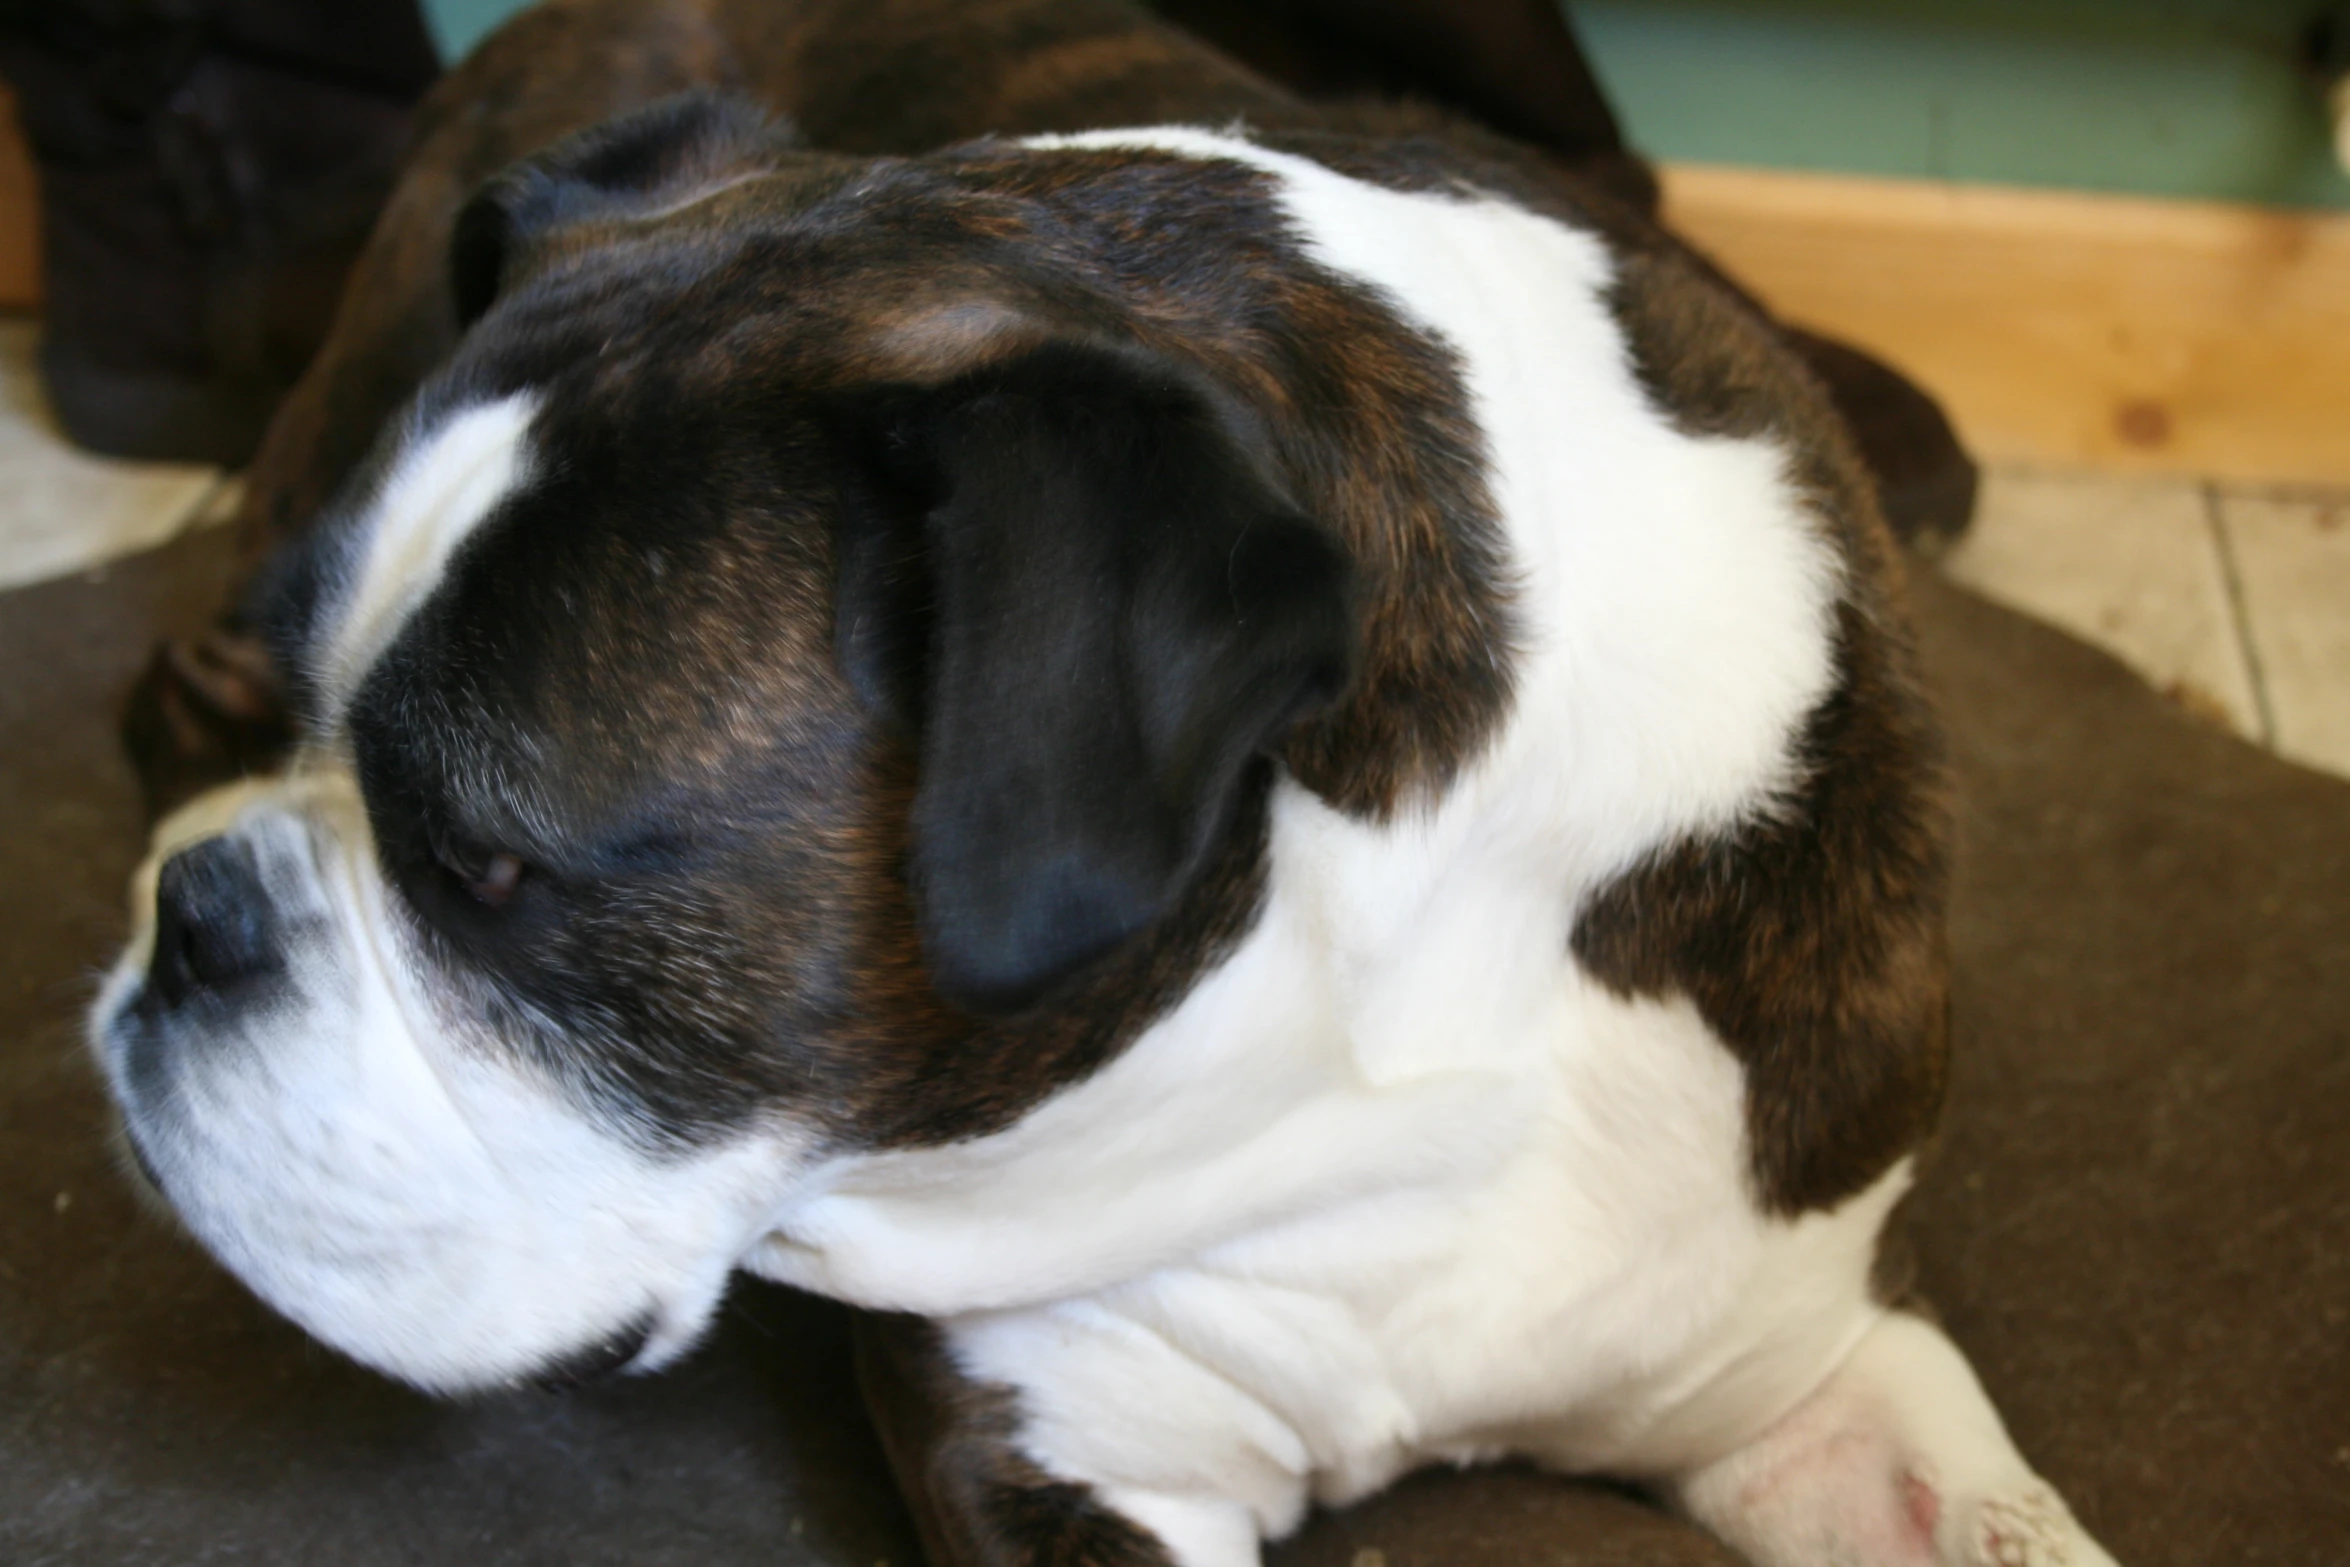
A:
302	1080
231	891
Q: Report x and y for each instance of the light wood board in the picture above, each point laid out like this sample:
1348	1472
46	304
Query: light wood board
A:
2060	327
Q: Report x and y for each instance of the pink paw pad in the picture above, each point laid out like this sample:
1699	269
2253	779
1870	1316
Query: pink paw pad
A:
2030	1530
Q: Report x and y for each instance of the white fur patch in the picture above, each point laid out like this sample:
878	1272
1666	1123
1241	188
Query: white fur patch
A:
1398	1181
1676	587
441	489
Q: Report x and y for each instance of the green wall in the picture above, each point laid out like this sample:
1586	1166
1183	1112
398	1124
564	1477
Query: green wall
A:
457	25
2161	97
2198	98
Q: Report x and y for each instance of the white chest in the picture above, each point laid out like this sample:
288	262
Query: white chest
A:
1451	1204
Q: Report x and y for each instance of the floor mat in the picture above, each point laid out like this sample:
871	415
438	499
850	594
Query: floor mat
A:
2138	1222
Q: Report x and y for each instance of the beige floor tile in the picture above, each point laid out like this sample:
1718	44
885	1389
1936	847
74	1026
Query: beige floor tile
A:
61	509
2292	560
2133	565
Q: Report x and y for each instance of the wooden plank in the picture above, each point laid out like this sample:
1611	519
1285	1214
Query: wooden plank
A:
2061	327
20	213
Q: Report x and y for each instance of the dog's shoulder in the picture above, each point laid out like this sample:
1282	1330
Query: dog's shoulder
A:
1514	315
1814	937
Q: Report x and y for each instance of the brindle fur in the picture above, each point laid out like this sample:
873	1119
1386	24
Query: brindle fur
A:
859	76
1814	943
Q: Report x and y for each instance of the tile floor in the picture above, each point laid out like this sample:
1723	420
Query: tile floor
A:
2234	601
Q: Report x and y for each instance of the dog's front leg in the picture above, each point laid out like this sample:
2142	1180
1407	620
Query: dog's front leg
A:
980	1500
1898	1460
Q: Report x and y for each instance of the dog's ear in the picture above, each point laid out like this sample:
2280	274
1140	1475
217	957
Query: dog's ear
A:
656	157
1077	585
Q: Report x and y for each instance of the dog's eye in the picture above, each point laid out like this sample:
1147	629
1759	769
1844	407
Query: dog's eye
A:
488	876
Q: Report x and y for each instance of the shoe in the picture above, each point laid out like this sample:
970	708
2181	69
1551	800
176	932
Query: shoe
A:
209	170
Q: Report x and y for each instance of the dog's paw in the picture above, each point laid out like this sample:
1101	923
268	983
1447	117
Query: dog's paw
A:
208	710
2030	1527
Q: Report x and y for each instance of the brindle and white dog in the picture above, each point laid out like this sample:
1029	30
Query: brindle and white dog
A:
1261	780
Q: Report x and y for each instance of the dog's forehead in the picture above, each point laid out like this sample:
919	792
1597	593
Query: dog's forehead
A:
895	271
549	598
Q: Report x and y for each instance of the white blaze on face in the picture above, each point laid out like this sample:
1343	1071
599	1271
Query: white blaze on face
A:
439	491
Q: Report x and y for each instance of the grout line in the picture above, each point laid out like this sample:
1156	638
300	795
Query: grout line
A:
2240	615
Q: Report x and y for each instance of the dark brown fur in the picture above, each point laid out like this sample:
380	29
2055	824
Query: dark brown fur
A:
1815	943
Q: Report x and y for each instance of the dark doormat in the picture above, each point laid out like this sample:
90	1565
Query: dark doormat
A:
2138	1223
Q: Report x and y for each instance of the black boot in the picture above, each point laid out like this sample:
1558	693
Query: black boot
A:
209	170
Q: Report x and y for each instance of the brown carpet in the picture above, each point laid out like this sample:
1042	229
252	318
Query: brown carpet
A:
2139	1222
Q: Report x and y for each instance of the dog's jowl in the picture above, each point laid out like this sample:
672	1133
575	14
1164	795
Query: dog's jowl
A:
1263	786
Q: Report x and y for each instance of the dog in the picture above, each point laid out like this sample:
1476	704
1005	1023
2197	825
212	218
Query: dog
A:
1253	772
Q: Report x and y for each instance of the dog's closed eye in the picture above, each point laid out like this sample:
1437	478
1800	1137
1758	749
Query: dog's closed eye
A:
488	876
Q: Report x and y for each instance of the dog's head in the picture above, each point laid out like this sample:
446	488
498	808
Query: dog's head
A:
805	647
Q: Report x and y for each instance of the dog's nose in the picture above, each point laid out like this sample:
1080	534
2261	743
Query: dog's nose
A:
213	925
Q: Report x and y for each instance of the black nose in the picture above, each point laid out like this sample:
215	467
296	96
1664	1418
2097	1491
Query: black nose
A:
213	925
